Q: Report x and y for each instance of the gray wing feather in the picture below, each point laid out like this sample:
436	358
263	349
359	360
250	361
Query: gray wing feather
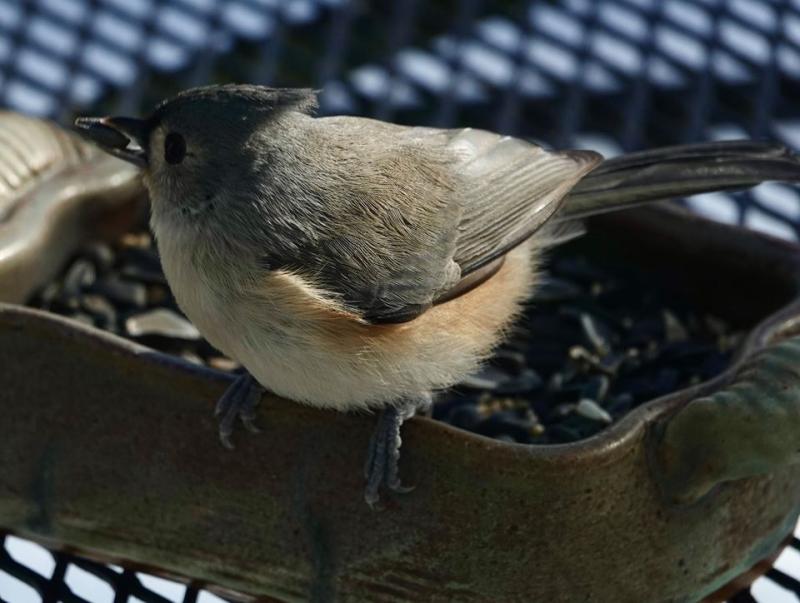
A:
443	205
511	188
388	203
438	205
672	172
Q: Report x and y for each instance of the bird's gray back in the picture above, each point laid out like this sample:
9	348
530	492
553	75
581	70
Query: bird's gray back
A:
390	217
364	209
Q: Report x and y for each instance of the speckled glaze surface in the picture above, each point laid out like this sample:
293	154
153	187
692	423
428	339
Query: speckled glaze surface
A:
111	449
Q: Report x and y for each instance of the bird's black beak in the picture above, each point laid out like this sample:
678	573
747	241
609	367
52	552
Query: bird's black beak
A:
123	137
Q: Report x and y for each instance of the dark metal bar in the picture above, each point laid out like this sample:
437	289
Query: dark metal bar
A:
125	585
572	113
16	40
508	114
271	48
703	98
54	590
22	573
784	580
336	42
73	64
637	108
768	86
743	597
206	59
131	101
190	596
400	33
448	107
137	589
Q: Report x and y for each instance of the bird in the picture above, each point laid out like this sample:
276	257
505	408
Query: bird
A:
358	265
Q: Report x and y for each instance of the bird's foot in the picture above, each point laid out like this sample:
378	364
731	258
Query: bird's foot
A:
383	454
238	401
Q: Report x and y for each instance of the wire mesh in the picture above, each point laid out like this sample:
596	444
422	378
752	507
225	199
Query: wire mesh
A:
29	574
613	75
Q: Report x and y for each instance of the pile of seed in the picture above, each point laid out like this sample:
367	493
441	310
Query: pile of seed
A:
595	342
121	288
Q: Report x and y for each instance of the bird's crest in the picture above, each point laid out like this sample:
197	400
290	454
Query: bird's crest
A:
254	97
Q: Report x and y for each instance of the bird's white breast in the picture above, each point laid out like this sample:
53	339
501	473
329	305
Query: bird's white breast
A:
271	333
301	345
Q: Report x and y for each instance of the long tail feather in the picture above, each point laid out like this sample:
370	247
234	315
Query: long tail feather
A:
677	171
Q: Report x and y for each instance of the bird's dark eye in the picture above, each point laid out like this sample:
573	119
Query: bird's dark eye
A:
174	148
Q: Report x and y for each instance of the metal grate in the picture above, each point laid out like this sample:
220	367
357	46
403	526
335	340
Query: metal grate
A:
606	74
31	574
781	584
612	75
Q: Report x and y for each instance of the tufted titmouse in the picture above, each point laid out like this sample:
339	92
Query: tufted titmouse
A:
349	263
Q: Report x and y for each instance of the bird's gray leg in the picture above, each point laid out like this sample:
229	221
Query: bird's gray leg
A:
383	453
238	401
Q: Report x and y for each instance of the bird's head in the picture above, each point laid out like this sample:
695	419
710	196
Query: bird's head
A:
196	143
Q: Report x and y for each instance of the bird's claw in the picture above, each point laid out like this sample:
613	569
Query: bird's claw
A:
383	453
238	401
399	488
